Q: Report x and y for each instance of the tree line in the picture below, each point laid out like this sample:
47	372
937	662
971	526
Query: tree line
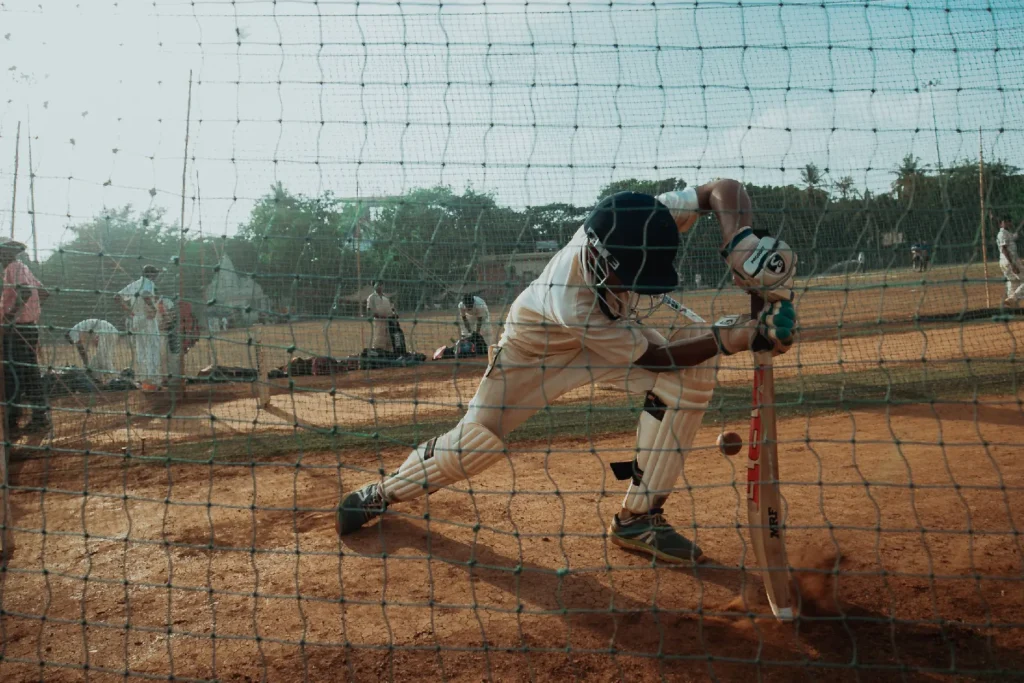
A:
309	253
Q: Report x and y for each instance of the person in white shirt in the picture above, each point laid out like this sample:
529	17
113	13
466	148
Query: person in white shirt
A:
139	301
95	340
577	324
379	307
1009	261
474	318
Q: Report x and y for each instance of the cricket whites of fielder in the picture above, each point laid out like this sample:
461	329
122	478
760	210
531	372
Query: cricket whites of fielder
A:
577	324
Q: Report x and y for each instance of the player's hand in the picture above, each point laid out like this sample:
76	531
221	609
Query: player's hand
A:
773	330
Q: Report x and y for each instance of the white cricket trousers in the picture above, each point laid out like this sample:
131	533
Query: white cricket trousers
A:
1014	284
520	385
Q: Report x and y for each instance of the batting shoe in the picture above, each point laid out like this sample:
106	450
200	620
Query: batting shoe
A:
653	535
358	508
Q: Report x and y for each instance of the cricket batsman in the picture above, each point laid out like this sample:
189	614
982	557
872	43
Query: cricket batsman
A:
579	323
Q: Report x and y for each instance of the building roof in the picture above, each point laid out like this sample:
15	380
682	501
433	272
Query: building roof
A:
528	257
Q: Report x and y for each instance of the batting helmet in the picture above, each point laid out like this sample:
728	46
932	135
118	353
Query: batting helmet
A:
636	238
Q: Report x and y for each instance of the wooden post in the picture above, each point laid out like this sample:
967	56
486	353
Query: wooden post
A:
262	378
180	383
981	195
14	192
6	517
359	278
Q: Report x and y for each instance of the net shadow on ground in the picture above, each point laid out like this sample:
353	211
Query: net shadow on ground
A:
598	621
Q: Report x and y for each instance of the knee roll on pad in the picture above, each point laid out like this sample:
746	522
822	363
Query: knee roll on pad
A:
672	415
468	449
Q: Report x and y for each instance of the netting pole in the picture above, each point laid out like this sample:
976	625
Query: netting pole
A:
981	195
359	277
181	246
32	196
14	192
6	532
262	378
6	519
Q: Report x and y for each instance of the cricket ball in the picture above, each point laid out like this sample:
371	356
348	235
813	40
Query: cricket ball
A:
729	443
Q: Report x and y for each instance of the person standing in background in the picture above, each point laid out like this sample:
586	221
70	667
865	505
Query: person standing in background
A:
139	301
1009	261
178	332
22	299
380	308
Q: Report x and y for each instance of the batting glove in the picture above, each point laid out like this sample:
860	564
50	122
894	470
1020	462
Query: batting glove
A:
774	330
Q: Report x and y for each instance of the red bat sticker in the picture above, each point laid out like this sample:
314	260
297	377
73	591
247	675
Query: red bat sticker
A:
754	463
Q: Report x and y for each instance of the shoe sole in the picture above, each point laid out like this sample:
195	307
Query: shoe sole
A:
640	546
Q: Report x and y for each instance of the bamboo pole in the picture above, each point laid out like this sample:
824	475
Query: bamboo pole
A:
6	513
181	244
32	196
14	192
981	195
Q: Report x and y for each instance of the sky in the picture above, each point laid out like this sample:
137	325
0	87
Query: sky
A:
534	101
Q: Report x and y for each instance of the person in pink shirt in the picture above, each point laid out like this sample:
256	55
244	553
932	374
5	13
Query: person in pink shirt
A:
21	305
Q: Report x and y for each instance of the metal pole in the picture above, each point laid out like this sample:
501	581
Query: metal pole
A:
181	244
14	195
981	195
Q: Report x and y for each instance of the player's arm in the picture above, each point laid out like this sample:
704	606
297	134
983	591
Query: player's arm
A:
729	201
772	330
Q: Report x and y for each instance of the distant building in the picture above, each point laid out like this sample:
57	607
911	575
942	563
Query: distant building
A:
496	274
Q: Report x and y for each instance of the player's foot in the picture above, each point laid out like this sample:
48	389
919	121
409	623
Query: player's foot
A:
358	508
653	535
38	423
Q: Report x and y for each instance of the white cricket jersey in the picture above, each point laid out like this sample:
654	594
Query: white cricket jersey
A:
379	305
1005	239
559	313
135	293
478	312
93	325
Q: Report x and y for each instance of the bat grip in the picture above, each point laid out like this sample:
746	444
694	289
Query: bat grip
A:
756	304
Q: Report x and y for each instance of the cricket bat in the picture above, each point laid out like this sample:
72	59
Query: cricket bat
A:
764	501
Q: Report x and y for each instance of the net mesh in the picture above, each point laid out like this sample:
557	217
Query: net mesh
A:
317	188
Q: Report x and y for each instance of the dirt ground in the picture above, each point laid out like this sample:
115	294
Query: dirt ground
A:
823	304
234	572
361	399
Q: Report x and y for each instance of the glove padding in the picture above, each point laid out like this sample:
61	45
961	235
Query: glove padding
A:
762	265
773	330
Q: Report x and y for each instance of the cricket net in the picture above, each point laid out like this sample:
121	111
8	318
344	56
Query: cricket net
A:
317	187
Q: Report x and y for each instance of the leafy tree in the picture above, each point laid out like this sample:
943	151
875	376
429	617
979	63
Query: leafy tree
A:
102	256
652	187
908	178
301	244
844	186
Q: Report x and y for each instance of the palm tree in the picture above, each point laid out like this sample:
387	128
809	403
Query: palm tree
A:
811	177
844	186
908	177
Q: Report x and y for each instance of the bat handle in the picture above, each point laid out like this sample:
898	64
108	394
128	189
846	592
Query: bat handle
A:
756	305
